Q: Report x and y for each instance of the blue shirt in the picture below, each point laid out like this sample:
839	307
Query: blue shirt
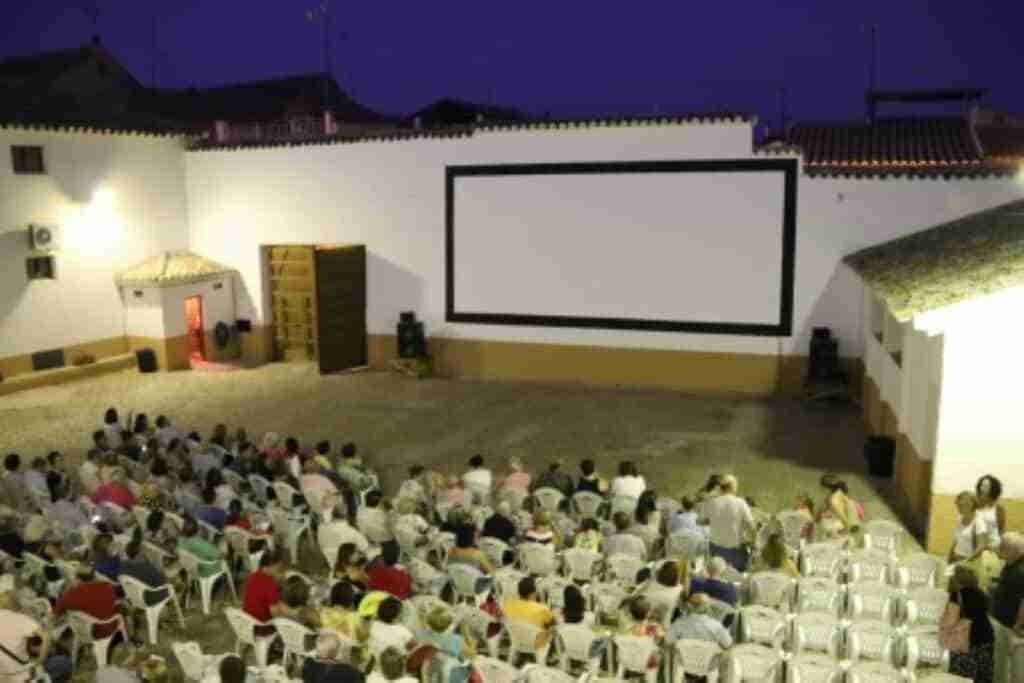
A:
212	515
713	588
110	568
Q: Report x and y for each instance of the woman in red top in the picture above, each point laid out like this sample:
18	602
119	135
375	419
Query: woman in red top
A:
92	597
114	491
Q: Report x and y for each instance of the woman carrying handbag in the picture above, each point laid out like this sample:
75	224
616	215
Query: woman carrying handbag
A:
965	629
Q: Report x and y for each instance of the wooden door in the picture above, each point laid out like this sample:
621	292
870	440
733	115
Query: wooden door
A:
293	301
341	307
194	326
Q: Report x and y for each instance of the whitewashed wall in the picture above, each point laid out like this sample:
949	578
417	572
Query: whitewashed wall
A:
143	315
218	305
147	213
980	427
390	196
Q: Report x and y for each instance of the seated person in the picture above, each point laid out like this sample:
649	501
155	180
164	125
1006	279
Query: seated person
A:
696	623
326	667
90	596
391	666
295	595
386	630
556	479
527	608
209	512
685	521
372	519
261	594
385	574
589	480
622	541
105	561
589	536
341	615
479	480
713	586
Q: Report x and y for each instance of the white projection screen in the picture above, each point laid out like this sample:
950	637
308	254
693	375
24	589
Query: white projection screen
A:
700	246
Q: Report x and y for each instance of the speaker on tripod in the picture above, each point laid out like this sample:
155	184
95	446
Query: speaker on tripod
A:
412	341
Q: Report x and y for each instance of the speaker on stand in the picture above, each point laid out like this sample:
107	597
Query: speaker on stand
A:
412	341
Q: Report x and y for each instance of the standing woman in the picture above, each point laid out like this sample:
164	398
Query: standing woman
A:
836	516
967	602
972	541
988	490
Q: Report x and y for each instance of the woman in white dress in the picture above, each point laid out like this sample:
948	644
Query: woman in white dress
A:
972	542
988	490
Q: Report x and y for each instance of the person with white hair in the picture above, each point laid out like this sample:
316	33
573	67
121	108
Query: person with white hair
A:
714	586
1007	603
326	666
730	523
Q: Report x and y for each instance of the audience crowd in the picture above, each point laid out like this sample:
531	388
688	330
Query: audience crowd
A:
436	579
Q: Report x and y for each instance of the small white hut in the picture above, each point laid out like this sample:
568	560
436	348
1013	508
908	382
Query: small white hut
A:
182	306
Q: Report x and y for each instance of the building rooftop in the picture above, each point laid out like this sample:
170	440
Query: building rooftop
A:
172	268
971	257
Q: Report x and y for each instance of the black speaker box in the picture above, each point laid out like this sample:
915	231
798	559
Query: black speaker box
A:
146	358
412	342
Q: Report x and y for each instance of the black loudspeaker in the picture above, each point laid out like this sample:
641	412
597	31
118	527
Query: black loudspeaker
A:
146	358
823	362
880	452
412	342
407	317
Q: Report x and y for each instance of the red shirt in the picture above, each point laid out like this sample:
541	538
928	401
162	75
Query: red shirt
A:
95	598
112	492
390	579
259	594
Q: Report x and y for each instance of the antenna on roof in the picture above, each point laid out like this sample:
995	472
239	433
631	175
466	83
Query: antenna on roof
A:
91	9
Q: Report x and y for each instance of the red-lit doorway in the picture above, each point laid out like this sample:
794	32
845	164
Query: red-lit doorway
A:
194	325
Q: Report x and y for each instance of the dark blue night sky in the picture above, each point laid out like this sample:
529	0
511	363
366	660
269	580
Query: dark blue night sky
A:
560	56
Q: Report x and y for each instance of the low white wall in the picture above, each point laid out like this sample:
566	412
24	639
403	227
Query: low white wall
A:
390	196
143	212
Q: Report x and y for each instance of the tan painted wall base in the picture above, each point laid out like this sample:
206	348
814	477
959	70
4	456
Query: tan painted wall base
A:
257	345
44	378
13	366
171	353
681	370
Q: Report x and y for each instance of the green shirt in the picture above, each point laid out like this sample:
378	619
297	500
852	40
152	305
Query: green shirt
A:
205	551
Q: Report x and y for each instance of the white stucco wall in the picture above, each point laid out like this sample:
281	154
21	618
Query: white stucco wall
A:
390	196
980	427
218	305
143	315
144	211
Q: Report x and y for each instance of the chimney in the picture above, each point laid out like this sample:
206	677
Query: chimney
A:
330	125
417	123
221	131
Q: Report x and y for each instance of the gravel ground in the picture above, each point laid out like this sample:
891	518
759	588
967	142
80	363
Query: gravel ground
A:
775	446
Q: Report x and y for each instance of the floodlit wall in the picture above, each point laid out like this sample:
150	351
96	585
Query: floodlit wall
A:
390	196
118	200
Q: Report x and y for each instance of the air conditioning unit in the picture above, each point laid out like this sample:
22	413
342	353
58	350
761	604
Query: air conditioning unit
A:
44	237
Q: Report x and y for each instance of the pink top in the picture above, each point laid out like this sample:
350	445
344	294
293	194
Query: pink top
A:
517	480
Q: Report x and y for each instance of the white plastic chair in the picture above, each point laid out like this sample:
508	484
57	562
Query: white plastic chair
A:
870	564
587	504
538	559
506	583
816	632
464	581
752	663
479	622
874	672
244	627
294	636
239	540
822	560
759	624
580	564
439	547
813	668
141	514
291	527
922	646
924	606
633	654
943	677
135	591
259	486
425	578
919	570
209	532
551	590
82	626
622	569
548	498
793	524
36	565
494	549
606	598
667	506
156	555
493	670
772	589
625	504
874	640
523	640
820	595
191	564
663	601
574	643
195	666
689	545
286	494
699	658
870	600
884	534
546	674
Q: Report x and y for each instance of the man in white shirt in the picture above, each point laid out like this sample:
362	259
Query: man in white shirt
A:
729	523
337	532
372	520
622	542
629	482
386	631
697	624
319	491
478	480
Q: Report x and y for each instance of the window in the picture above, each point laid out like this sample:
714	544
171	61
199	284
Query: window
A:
28	160
41	268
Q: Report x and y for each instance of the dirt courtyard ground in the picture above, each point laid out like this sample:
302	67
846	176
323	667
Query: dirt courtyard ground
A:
776	447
